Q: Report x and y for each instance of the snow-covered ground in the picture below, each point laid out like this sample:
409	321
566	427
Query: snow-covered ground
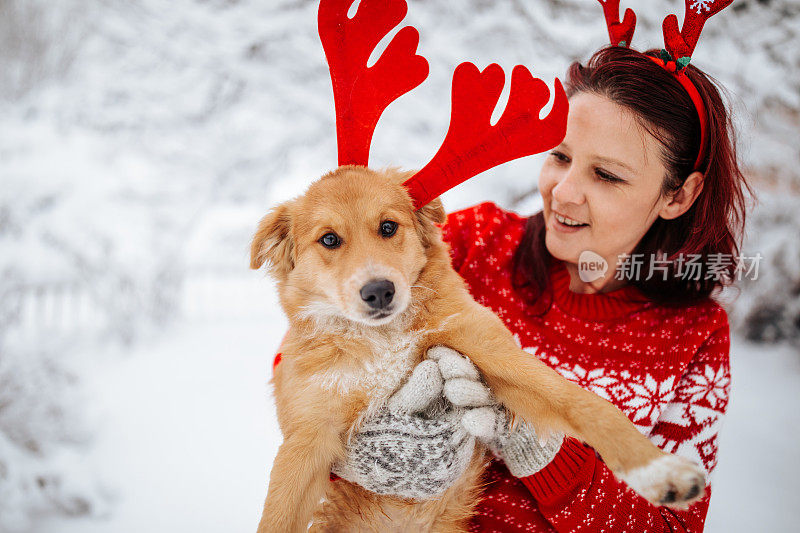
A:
188	431
755	483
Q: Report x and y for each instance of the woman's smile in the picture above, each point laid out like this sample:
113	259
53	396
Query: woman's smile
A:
566	224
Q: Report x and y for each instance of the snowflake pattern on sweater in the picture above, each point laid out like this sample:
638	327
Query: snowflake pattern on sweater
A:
666	368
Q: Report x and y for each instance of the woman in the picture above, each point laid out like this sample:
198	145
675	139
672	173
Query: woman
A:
646	336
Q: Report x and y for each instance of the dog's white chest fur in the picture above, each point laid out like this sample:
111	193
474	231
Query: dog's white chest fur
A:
392	362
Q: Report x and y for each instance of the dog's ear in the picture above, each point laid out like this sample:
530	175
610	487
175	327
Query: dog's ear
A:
273	241
427	217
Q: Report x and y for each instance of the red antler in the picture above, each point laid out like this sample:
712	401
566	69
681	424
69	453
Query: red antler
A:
473	145
620	33
680	44
361	93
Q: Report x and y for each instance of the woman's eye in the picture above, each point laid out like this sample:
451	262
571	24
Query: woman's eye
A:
605	176
388	227
330	240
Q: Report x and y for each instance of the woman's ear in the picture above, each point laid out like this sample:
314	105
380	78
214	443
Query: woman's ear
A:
683	199
427	217
273	241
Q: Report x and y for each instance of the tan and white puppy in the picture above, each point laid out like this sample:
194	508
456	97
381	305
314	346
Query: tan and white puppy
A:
367	286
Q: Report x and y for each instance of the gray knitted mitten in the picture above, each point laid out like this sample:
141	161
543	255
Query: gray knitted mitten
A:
414	447
519	447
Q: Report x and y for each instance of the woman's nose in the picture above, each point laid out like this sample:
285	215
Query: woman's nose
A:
568	189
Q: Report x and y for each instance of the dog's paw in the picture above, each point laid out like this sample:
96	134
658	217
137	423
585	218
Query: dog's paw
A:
669	480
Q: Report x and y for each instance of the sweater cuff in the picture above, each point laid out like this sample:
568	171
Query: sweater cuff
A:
563	473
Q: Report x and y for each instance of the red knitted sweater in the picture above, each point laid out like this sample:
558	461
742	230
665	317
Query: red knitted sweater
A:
666	368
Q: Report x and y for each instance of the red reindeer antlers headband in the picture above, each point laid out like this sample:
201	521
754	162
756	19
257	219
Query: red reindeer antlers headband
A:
678	46
472	145
361	93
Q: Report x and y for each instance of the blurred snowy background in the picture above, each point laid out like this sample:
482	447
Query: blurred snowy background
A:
141	141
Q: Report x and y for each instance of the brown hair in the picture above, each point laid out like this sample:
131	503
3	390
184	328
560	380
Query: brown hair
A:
712	225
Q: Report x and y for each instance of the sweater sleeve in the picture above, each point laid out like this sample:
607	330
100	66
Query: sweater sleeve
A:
577	491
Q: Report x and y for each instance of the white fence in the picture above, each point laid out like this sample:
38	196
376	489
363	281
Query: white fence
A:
56	307
218	294
205	295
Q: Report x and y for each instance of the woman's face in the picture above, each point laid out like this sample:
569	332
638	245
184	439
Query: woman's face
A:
602	185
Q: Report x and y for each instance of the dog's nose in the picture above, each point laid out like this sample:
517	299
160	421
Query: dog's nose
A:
378	293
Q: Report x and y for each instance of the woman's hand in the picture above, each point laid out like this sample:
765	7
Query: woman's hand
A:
415	447
519	447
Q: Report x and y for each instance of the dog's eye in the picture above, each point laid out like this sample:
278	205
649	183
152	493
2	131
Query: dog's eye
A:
330	240
388	228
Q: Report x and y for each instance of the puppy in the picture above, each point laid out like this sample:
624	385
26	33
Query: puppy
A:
367	285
